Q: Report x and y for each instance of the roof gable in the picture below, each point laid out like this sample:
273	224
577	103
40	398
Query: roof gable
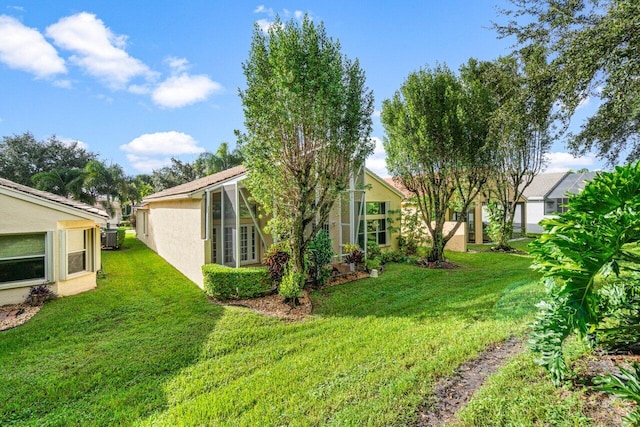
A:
44	197
186	189
542	184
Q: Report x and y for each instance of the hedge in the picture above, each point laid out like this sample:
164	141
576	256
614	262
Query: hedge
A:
223	282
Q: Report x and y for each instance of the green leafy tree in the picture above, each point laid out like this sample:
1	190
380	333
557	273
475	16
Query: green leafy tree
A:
520	128
66	182
308	121
592	47
103	180
177	173
436	143
581	252
222	159
22	157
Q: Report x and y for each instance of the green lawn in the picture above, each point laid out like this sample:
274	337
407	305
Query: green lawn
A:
148	348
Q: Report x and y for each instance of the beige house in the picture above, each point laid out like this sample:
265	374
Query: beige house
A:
214	220
46	239
458	243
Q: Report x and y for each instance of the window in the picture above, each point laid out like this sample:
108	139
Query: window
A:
247	243
376	208
76	251
228	245
22	257
376	225
325	228
214	244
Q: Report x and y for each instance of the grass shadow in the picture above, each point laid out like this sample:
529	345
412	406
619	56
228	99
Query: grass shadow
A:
102	357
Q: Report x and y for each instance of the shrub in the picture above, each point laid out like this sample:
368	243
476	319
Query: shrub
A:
222	282
319	255
372	263
392	256
276	260
291	286
38	295
583	251
373	250
120	237
354	254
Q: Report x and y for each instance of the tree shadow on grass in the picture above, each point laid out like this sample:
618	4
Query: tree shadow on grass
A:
408	291
102	357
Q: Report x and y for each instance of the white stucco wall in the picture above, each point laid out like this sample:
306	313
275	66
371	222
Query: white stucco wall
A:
534	214
174	233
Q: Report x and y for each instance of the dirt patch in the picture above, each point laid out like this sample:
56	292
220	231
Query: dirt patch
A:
602	408
274	305
451	394
16	314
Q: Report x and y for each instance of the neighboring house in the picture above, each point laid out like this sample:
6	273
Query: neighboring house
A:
547	195
458	243
46	239
116	214
214	220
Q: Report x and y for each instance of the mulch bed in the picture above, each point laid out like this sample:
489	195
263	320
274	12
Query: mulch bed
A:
274	305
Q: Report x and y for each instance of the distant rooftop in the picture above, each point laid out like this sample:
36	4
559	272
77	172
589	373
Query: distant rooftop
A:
572	183
45	195
543	184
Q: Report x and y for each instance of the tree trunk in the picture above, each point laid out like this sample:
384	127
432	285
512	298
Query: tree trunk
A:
437	248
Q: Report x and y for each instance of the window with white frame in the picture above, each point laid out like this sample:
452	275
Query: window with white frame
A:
375	228
247	243
23	257
77	254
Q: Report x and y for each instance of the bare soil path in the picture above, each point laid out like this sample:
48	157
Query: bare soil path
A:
451	394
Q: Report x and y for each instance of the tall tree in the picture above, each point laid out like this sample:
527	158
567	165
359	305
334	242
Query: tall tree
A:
308	124
22	156
177	173
594	51
436	134
103	180
223	159
66	182
520	128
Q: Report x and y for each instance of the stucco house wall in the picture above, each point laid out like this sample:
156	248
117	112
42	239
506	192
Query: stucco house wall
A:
173	230
22	213
535	214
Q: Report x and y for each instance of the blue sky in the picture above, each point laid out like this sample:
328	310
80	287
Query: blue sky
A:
139	82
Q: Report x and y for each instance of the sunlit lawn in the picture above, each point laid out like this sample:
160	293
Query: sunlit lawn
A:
147	347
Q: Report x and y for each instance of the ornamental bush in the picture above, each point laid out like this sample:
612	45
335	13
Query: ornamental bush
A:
222	282
319	255
584	254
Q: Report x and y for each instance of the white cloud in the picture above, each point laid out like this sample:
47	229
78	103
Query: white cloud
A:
97	50
163	143
147	164
264	25
585	101
178	65
64	84
263	9
377	162
184	89
376	114
561	161
68	141
24	48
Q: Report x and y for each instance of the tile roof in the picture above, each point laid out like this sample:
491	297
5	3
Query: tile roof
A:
398	186
45	195
198	184
542	184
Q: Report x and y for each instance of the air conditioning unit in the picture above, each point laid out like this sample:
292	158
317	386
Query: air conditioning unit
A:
110	239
